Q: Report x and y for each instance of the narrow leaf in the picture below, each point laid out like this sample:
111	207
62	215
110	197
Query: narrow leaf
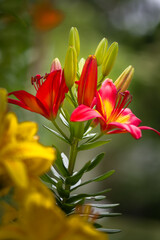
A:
75	178
63	120
57	134
95	161
110	231
92	145
85	195
59	164
48	179
97	179
104	205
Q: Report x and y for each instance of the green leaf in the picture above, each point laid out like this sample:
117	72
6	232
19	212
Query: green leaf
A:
90	136
91	145
97	179
72	180
47	179
57	134
104	205
95	161
110	231
62	192
59	164
85	195
63	120
107	214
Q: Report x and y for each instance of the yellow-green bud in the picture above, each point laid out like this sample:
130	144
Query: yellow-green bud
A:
109	58
80	65
101	50
123	81
70	66
56	65
74	39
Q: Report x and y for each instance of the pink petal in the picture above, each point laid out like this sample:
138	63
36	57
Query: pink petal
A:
149	128
84	113
108	92
133	130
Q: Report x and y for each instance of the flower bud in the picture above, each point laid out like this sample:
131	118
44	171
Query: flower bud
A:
74	40
101	50
56	65
81	65
123	81
70	67
109	59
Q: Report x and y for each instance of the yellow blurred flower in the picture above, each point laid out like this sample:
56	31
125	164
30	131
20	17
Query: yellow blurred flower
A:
21	155
41	218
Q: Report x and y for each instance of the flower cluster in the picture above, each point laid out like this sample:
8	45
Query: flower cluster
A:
33	210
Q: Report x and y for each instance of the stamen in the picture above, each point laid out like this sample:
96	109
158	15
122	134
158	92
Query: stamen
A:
37	81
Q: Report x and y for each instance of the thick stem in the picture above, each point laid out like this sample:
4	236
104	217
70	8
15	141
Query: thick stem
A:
73	155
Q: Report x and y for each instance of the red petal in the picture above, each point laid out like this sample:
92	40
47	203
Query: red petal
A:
84	113
132	119
29	102
49	90
87	85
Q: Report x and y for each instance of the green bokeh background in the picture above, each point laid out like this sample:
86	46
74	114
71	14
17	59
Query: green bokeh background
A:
135	25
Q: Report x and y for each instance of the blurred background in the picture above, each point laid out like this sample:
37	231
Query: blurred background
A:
34	32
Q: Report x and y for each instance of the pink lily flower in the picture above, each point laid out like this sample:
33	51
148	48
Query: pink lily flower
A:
111	112
50	94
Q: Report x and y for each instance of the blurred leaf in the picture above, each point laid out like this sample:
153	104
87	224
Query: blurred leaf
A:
110	231
48	179
62	192
104	205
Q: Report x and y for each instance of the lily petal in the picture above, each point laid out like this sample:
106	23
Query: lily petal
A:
133	130
149	128
28	101
84	113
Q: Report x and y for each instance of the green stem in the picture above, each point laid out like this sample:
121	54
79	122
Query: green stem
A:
73	155
61	132
73	98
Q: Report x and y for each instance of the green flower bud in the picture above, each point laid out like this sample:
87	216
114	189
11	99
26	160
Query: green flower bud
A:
101	50
70	67
74	39
56	65
109	59
123	81
81	64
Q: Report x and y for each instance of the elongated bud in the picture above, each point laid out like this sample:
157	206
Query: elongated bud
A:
56	65
101	50
74	39
87	85
70	67
123	81
109	59
81	65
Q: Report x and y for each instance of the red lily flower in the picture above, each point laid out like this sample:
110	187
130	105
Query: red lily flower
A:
87	85
111	112
50	94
